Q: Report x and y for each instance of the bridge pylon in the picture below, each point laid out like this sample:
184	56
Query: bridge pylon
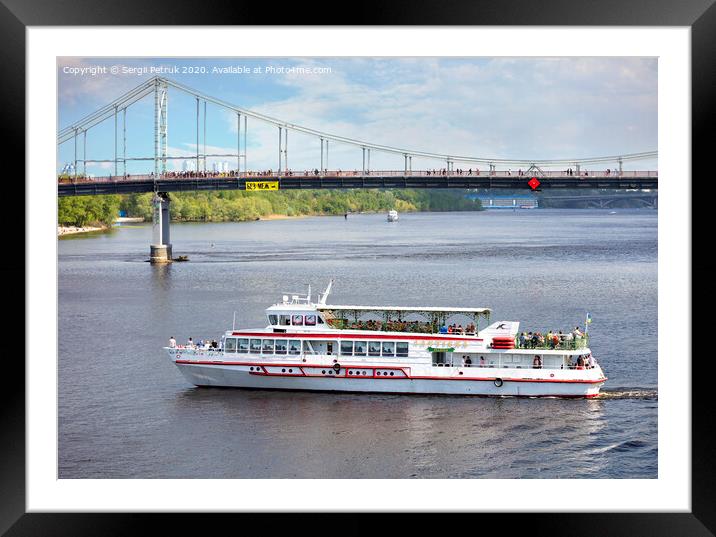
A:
160	251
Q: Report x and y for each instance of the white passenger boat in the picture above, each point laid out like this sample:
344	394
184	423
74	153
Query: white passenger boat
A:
316	346
392	216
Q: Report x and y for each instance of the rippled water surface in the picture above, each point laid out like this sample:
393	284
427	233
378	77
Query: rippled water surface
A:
125	411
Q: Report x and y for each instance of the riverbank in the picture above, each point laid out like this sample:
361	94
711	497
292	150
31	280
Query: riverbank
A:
72	230
283	216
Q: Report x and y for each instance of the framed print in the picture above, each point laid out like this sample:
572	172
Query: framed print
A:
381	182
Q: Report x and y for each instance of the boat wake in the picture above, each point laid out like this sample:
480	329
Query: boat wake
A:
629	393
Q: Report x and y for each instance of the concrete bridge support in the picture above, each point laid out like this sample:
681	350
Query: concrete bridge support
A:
160	251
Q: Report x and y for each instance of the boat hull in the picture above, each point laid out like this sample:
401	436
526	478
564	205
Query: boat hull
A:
489	384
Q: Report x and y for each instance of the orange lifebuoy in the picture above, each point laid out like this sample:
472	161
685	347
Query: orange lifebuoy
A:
503	342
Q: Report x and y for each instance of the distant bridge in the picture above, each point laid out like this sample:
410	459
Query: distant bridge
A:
605	201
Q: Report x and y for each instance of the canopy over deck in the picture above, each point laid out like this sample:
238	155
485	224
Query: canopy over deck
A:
437	315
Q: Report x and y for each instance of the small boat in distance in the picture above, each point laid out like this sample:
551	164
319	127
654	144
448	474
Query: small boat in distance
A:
390	349
392	216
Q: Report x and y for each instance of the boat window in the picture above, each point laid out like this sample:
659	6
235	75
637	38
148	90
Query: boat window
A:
374	348
294	346
401	349
230	344
297	320
273	319
243	345
281	345
346	348
255	346
268	346
284	320
359	348
310	320
320	320
388	348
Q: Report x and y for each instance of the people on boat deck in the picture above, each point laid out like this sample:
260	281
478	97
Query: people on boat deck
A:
537	362
482	361
590	359
555	340
467	361
172	342
190	343
580	363
577	333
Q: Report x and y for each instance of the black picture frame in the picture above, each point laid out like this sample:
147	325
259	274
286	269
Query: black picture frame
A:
16	15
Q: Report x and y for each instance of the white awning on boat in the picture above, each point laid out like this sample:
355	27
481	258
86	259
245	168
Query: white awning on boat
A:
407	309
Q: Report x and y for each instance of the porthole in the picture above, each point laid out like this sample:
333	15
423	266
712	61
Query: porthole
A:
290	370
364	372
251	368
391	373
324	371
283	371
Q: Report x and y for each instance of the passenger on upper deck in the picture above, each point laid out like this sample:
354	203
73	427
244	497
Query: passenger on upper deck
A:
172	342
537	362
523	340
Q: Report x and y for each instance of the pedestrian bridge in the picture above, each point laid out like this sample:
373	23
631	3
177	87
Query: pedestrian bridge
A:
464	179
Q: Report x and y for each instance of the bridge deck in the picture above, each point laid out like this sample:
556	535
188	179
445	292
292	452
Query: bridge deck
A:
145	183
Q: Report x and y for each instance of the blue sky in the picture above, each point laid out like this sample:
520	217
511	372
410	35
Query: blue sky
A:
521	108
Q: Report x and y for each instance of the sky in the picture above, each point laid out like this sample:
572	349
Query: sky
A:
514	108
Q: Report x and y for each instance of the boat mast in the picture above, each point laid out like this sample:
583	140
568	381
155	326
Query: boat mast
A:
324	296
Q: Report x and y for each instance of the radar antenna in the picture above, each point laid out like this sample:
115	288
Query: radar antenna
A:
324	295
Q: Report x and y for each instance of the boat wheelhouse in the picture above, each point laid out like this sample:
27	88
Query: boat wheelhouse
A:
391	349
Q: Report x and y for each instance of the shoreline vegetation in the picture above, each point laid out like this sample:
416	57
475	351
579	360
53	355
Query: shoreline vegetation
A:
79	214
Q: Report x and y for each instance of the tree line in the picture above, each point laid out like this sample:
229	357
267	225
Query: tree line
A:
241	206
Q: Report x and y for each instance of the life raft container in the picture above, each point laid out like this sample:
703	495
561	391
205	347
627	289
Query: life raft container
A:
503	342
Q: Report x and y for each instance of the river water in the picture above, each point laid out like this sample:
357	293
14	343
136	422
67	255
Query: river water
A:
126	412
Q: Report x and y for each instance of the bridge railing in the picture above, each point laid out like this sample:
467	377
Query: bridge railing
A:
259	175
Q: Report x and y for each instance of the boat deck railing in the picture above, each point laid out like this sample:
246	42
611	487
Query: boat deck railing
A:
581	342
506	366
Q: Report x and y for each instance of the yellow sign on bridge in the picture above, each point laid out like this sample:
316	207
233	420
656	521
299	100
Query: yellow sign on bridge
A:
261	185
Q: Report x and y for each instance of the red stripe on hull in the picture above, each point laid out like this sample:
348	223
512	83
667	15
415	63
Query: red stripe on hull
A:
407	377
